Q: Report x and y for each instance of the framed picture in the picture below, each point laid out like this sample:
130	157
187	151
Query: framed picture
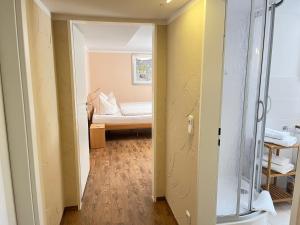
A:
141	69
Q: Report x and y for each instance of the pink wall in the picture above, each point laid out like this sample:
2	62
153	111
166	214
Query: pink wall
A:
112	73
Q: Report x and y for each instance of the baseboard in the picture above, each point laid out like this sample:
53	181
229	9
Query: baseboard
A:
160	198
71	208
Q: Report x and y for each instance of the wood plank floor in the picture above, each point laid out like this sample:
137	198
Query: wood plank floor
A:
118	191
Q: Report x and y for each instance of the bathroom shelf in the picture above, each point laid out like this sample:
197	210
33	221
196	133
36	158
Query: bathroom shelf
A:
271	146
277	193
276	174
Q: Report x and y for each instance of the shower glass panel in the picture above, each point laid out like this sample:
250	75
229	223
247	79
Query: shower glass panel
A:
238	17
253	116
242	110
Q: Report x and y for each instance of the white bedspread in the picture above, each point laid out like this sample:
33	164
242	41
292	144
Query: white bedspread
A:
136	108
120	119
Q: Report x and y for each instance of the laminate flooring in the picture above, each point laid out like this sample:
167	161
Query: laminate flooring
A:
118	190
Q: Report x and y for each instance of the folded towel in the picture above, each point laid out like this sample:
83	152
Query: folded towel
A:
263	202
287	141
280	135
279	160
280	169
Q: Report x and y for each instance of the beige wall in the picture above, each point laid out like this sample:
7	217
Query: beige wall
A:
183	93
159	87
46	111
66	114
107	68
210	110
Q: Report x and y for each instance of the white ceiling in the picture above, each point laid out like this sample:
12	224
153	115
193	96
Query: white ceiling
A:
141	9
120	37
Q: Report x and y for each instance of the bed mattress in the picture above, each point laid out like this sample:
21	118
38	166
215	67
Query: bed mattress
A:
121	119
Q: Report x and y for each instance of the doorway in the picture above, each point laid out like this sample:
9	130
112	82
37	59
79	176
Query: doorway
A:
113	84
282	117
248	186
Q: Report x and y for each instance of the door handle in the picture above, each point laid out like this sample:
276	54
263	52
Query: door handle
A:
260	102
269	104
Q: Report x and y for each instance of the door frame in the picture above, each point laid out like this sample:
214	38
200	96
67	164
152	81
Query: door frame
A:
155	160
5	171
19	113
210	114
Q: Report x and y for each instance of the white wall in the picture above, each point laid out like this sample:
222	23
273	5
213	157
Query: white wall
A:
285	70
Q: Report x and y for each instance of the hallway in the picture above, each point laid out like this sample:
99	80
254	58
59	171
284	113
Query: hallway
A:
119	188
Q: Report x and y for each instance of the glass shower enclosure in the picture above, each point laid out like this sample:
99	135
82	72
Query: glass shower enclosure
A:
247	59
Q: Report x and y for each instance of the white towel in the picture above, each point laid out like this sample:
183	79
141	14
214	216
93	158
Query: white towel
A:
287	141
263	202
280	135
280	169
279	160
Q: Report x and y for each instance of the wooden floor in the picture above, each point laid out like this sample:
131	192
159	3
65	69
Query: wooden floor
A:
118	191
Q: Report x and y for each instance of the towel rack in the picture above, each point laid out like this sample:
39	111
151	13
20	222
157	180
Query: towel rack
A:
277	193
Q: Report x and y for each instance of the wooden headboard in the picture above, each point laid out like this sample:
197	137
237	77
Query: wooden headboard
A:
93	103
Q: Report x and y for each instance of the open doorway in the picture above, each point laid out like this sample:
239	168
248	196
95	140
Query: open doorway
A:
283	113
259	153
112	72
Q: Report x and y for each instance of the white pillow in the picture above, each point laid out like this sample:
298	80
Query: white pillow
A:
108	105
111	98
103	95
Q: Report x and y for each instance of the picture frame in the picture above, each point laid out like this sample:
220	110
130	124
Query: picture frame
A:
141	69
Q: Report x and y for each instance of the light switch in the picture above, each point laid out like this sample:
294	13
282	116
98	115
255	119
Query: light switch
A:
190	124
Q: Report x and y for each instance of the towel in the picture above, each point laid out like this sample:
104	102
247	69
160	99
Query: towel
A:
263	202
288	141
280	135
280	169
279	160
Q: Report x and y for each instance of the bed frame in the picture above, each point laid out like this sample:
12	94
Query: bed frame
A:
128	126
92	104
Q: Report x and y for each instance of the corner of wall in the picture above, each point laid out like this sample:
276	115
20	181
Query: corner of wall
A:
159	88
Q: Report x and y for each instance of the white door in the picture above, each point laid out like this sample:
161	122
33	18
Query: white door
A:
7	209
79	54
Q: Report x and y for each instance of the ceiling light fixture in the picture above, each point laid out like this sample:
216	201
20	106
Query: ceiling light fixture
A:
168	1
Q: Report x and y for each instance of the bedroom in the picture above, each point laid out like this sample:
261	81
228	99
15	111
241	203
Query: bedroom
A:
122	53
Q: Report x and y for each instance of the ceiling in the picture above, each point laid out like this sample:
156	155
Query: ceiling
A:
136	9
120	37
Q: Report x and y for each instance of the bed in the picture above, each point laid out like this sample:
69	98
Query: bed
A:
131	115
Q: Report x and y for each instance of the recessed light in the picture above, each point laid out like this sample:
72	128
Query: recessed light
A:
168	1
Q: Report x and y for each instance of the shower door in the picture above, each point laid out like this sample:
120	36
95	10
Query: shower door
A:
243	107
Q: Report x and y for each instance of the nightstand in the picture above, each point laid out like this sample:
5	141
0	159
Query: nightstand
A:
97	136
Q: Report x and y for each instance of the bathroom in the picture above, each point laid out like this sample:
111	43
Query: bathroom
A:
260	112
